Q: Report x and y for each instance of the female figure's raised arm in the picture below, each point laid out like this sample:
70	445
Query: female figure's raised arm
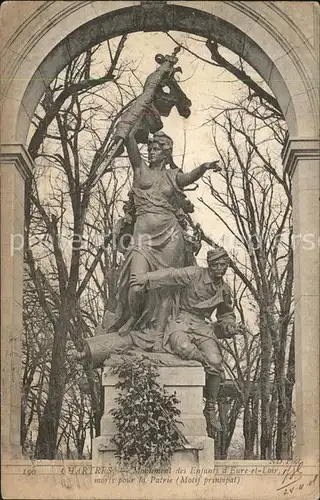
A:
184	179
133	152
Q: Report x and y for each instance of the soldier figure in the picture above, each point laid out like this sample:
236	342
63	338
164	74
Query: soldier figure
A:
191	335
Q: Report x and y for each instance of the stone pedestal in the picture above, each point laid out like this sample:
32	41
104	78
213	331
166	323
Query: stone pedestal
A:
187	382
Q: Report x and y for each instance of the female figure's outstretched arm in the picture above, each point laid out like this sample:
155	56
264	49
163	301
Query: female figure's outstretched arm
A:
184	179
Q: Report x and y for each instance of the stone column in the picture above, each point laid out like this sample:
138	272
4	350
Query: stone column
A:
16	166
301	161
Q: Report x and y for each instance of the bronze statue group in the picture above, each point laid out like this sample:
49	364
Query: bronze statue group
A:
165	301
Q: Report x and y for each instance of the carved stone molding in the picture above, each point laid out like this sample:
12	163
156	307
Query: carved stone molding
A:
297	149
152	10
18	155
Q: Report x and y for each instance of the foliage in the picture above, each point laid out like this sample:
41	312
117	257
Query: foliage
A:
145	417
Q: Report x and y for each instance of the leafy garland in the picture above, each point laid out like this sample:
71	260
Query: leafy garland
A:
145	417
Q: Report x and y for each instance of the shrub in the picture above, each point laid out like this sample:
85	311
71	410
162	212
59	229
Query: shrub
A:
145	417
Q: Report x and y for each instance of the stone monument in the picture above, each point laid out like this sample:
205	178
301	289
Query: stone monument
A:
164	300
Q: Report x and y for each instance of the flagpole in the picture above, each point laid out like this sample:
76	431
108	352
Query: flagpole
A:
131	118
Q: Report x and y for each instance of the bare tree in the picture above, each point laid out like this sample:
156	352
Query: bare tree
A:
262	226
236	69
254	204
60	218
36	349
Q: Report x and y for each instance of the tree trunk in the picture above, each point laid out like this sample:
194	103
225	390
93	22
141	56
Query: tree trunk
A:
96	394
290	381
250	426
23	425
284	388
284	434
223	413
49	423
266	348
282	413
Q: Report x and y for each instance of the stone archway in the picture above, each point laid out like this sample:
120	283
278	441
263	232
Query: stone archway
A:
43	37
281	53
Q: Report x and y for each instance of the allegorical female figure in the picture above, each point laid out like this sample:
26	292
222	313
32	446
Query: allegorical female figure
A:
158	239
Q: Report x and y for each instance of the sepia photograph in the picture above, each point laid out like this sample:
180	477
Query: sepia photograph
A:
160	171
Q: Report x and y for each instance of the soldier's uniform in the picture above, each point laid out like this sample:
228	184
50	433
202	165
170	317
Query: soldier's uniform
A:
191	334
192	328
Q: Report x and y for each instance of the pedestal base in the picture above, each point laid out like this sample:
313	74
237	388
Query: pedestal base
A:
199	454
187	381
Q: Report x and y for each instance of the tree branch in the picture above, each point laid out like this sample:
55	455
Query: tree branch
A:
241	75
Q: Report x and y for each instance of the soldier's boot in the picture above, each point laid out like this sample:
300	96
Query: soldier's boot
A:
212	390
